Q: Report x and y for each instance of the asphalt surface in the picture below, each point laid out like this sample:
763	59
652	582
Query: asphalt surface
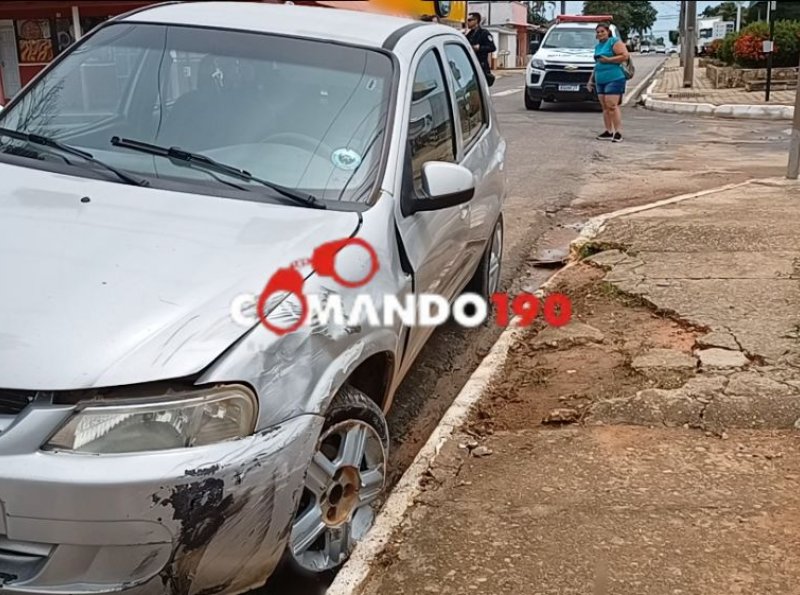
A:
559	176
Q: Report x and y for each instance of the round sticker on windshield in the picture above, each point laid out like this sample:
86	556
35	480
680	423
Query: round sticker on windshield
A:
346	159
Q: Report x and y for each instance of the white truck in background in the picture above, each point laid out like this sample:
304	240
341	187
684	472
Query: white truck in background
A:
711	29
563	62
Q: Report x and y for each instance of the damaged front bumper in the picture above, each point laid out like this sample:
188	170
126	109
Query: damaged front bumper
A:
212	519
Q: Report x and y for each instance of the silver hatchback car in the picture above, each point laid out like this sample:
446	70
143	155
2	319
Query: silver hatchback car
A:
172	160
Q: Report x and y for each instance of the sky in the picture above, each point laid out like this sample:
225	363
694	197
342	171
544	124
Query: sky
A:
667	14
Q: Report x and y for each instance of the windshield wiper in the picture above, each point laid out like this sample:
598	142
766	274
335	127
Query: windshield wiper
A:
46	141
207	163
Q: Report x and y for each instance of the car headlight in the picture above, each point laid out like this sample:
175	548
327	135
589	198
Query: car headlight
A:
538	64
199	418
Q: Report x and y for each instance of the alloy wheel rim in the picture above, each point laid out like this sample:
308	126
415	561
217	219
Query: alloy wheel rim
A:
495	258
345	477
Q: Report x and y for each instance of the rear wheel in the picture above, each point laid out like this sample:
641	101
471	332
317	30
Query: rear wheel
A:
532	104
346	476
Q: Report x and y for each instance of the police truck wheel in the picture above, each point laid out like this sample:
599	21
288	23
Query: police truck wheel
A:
532	104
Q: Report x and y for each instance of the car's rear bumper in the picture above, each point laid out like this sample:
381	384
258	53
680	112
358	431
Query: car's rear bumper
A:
212	519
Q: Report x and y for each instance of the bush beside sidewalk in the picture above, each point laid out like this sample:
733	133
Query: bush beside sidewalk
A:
669	95
649	447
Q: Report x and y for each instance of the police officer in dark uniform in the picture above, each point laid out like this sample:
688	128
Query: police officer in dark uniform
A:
482	42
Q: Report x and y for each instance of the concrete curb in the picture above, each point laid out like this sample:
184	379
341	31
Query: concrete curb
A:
354	574
504	72
637	91
649	91
731	111
595	225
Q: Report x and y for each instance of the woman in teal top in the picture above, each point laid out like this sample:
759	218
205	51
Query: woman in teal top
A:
609	78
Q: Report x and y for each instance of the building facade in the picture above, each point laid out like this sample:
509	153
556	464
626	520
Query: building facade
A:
508	22
711	29
33	32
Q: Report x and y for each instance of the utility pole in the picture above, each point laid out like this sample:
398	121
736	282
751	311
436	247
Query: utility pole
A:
682	32
738	16
794	147
768	45
691	40
563	7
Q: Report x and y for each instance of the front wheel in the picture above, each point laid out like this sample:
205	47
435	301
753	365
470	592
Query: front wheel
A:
532	104
347	474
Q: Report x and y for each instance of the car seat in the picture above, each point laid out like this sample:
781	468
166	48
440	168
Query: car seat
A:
200	119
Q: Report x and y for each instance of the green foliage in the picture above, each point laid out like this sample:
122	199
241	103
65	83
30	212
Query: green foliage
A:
726	10
643	15
787	10
747	45
744	49
629	16
713	48
787	42
760	29
725	52
536	12
674	37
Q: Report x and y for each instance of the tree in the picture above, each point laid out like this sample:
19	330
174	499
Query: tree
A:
643	15
726	10
660	41
629	16
536	12
674	37
788	11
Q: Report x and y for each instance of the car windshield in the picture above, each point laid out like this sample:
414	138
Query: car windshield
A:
305	115
571	39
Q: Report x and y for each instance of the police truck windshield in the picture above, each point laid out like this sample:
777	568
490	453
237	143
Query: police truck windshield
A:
571	38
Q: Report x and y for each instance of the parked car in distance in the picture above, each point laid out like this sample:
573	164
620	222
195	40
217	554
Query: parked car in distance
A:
672	50
645	49
149	443
661	49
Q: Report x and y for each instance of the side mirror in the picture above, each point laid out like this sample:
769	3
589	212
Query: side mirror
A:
535	45
445	185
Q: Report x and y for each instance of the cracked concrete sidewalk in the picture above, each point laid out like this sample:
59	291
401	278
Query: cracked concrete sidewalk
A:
674	464
728	263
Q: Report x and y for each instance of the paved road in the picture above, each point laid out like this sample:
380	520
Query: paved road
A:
559	176
645	66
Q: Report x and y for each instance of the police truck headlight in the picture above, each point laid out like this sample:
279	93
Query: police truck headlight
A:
196	419
537	64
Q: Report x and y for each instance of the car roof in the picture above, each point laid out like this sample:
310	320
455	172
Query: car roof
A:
329	24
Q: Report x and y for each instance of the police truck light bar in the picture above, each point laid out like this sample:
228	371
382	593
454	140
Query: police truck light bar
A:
584	18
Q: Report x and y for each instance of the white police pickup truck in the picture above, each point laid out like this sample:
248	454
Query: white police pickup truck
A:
563	62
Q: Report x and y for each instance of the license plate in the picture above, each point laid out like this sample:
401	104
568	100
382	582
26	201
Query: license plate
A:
569	87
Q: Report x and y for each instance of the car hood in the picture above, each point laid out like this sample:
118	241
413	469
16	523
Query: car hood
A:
107	285
567	56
